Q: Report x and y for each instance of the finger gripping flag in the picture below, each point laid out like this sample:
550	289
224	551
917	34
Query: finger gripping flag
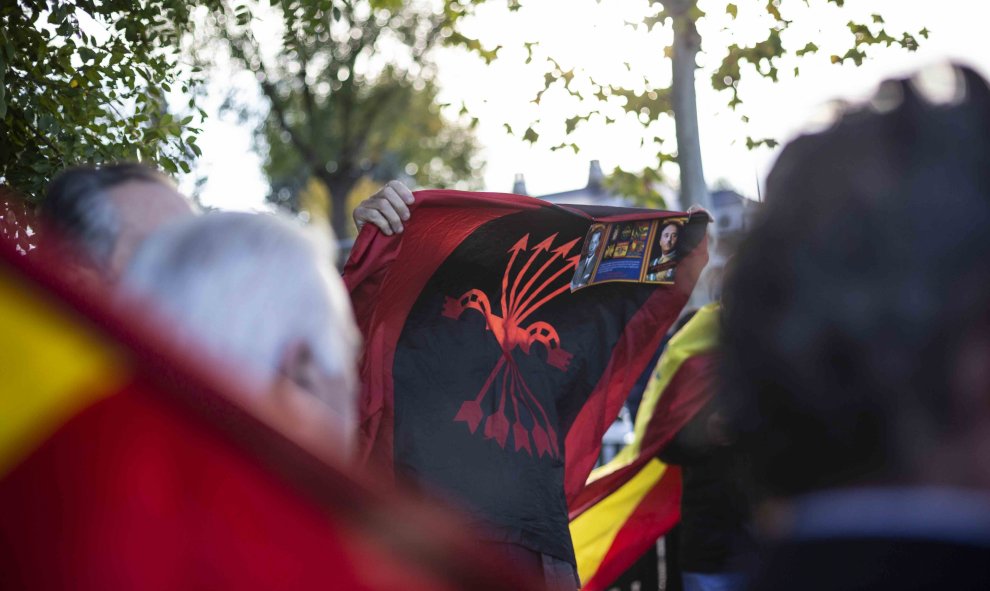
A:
488	376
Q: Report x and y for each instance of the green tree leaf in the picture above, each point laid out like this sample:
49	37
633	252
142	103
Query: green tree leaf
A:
344	124
66	98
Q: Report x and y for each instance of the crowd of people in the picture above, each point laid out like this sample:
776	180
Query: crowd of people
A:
851	429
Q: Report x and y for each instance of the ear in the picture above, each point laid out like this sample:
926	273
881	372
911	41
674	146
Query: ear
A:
323	408
300	371
296	366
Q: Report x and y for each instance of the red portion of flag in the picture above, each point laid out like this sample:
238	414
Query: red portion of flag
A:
128	494
655	515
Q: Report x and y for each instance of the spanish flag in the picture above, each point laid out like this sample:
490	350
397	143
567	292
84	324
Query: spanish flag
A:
634	499
124	463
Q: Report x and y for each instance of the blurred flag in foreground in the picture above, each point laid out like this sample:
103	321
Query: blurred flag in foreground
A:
634	499
124	464
485	376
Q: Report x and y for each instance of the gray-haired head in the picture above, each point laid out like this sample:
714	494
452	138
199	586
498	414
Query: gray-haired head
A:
254	290
108	210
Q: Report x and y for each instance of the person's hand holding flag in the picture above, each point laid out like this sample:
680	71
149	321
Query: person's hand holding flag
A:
386	209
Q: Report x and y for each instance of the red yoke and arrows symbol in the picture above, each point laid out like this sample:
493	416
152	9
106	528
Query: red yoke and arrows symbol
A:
505	380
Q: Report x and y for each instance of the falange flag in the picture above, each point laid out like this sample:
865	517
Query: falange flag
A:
502	336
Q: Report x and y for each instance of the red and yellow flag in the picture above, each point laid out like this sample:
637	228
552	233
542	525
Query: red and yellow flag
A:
634	499
124	463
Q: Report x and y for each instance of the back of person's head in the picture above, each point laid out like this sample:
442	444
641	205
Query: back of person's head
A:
856	322
78	207
85	207
256	292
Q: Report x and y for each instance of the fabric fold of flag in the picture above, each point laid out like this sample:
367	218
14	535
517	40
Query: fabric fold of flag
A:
635	498
485	377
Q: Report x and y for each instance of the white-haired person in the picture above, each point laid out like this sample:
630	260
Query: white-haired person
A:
259	296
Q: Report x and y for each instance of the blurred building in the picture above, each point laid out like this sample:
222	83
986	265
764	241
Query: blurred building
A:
593	193
733	215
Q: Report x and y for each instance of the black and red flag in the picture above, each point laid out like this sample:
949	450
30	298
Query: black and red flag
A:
485	378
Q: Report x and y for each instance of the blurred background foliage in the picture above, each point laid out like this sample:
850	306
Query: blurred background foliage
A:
352	95
348	88
602	100
85	81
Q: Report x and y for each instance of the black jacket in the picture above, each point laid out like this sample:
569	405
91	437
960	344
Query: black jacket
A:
715	533
876	564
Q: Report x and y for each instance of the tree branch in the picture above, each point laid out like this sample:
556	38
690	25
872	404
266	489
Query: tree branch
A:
306	150
22	118
244	45
309	101
377	107
430	39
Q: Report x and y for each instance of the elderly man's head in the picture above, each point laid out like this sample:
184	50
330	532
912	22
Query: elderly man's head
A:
260	295
108	211
853	352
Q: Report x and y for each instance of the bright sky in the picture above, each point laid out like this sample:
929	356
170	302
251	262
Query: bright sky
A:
593	35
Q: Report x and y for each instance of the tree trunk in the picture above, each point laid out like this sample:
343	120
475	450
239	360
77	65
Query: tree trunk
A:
694	191
339	185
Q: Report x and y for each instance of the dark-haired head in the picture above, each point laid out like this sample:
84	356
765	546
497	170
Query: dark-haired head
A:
855	309
98	208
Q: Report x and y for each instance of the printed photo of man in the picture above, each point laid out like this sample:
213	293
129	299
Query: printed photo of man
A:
587	265
662	264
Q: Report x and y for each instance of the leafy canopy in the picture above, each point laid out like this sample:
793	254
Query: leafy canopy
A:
350	93
86	82
640	91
